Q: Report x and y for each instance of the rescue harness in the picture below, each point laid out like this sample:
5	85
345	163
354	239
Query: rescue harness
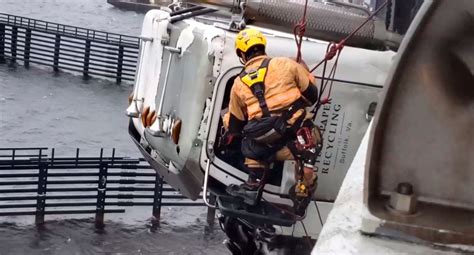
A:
263	137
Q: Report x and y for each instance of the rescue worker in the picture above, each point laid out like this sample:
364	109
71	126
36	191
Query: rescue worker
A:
266	108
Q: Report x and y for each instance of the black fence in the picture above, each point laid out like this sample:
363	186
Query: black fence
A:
75	49
33	182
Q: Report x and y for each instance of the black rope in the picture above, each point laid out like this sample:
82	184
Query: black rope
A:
319	214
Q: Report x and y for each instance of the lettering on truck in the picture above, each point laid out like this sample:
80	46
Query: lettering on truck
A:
336	135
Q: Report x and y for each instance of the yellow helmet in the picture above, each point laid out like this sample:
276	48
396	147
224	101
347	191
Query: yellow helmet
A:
248	38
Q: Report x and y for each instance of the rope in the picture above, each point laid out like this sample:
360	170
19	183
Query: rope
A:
326	83
334	50
337	47
308	238
299	31
319	214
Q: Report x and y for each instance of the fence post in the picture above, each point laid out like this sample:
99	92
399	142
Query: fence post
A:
99	212
2	44
41	196
13	44
57	45
211	212
87	53
26	60
157	200
119	64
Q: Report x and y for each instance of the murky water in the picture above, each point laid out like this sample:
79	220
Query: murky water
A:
79	237
40	108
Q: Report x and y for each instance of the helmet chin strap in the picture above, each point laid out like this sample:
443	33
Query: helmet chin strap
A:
242	58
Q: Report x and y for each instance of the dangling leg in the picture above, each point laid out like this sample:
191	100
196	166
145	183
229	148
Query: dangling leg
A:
306	149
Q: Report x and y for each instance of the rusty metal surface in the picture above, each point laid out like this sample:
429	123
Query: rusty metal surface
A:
423	133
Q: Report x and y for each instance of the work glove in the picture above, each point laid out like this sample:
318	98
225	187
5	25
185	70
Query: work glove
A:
231	140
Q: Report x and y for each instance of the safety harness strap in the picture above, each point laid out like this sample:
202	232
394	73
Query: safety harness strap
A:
259	91
256	82
296	106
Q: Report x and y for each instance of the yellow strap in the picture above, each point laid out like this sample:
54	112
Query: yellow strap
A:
255	77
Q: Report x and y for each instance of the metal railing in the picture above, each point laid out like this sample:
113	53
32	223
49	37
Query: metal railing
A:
35	183
63	47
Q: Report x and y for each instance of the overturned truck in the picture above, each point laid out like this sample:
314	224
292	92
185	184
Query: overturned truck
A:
186	69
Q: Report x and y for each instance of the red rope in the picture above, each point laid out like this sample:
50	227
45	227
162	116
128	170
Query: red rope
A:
299	31
337	47
334	50
326	81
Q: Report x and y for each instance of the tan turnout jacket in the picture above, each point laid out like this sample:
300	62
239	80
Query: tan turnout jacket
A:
284	83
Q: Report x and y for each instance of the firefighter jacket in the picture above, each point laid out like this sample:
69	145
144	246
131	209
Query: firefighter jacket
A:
284	83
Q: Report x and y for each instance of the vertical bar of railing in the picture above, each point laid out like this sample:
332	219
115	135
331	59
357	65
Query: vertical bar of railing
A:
2	44
41	196
77	155
157	200
211	212
113	156
26	61
13	157
13	45
101	189
87	53
52	157
119	64
40	156
57	45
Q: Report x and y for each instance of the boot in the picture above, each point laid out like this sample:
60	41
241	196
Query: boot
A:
250	191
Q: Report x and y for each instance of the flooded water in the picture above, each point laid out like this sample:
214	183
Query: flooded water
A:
79	237
39	108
